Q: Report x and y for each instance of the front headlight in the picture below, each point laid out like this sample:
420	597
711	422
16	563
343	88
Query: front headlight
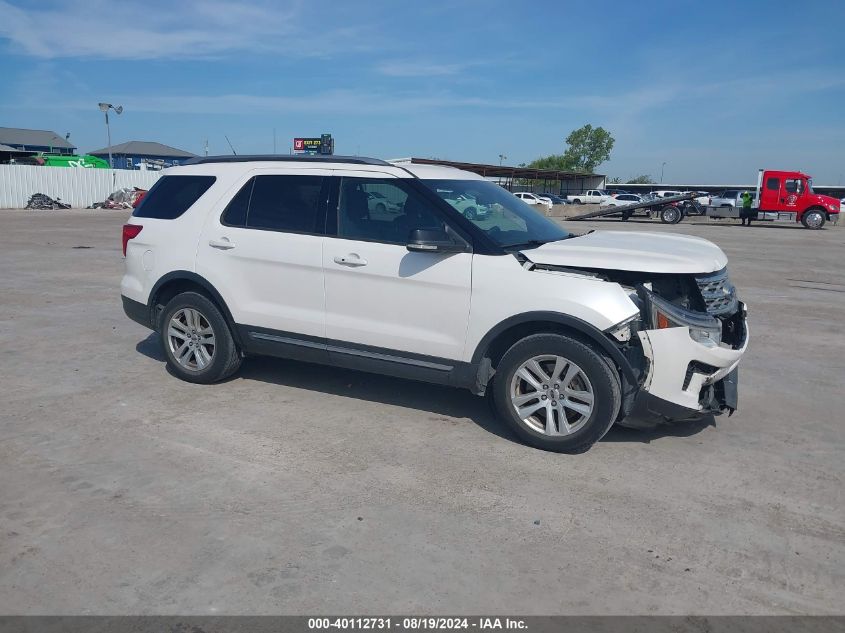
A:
703	328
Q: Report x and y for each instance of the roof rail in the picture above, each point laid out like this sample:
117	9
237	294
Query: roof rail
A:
284	158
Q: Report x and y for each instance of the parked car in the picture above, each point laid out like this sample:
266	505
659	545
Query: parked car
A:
591	196
667	193
616	192
235	256
553	197
623	199
469	206
533	198
379	203
728	198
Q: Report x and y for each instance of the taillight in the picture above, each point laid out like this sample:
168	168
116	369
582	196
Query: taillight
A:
130	231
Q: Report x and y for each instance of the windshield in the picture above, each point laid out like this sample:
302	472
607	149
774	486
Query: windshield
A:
505	219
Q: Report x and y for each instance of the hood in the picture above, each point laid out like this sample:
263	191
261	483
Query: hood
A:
638	252
827	201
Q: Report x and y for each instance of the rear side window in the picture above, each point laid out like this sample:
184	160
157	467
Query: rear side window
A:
171	196
773	184
278	203
235	213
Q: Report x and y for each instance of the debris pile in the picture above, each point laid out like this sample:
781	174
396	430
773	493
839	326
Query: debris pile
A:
43	201
125	198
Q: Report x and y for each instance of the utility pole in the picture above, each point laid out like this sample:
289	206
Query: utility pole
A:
104	108
206	147
661	171
502	158
274	140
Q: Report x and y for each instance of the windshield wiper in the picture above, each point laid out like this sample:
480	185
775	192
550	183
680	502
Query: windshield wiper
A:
535	243
527	243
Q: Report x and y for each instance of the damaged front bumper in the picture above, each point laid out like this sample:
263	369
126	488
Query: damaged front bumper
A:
686	378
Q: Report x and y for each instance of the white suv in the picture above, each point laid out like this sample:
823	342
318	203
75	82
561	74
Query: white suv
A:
237	256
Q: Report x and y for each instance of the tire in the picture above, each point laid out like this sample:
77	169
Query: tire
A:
593	374
201	363
576	201
670	214
813	219
381	209
471	213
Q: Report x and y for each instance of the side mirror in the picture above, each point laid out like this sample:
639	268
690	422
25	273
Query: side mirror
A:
433	241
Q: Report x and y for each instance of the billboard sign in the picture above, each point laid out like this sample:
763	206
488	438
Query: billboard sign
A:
319	145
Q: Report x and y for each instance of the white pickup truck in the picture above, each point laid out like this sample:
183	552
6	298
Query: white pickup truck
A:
591	196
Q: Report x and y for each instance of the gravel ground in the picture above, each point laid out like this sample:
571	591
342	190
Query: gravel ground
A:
298	489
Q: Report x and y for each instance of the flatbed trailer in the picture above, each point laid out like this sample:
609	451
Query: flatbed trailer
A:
664	209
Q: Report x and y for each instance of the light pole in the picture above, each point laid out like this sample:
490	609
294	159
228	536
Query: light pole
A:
661	171
502	158
104	108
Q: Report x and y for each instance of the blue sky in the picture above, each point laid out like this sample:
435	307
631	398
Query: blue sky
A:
714	89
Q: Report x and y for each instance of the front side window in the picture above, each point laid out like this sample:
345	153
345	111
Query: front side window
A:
278	203
503	217
171	196
382	210
793	185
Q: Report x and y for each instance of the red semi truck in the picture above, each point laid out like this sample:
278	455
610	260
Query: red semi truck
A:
785	196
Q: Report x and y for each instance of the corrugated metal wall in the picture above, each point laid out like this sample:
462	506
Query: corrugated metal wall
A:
79	187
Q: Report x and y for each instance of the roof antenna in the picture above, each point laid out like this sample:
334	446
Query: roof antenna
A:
230	145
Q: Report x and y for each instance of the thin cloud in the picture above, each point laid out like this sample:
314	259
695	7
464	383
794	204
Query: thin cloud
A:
191	29
417	68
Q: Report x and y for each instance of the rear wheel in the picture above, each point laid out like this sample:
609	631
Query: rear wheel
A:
381	209
556	393
576	201
813	219
196	340
670	214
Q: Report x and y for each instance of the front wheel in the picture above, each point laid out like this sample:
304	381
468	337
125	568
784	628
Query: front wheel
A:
471	213
556	393
196	340
813	219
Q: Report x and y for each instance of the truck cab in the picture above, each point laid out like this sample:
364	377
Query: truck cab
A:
788	195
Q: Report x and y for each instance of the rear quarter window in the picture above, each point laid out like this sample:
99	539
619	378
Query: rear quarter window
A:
171	196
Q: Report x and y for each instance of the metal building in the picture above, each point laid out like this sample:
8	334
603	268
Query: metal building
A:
143	155
523	178
33	141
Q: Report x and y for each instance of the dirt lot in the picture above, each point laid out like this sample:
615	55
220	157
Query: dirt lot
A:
298	489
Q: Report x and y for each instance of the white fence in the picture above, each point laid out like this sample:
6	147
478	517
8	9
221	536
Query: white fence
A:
78	186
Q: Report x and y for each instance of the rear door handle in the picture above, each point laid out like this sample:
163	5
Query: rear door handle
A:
352	260
223	244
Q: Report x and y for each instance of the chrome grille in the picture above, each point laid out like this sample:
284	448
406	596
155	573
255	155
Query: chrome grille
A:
718	292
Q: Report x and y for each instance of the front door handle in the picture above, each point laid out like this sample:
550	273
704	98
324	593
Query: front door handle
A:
223	244
353	260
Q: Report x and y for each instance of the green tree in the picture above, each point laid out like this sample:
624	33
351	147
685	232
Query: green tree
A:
645	179
616	180
588	148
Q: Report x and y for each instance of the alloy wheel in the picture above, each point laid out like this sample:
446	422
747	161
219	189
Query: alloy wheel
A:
191	339
552	395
